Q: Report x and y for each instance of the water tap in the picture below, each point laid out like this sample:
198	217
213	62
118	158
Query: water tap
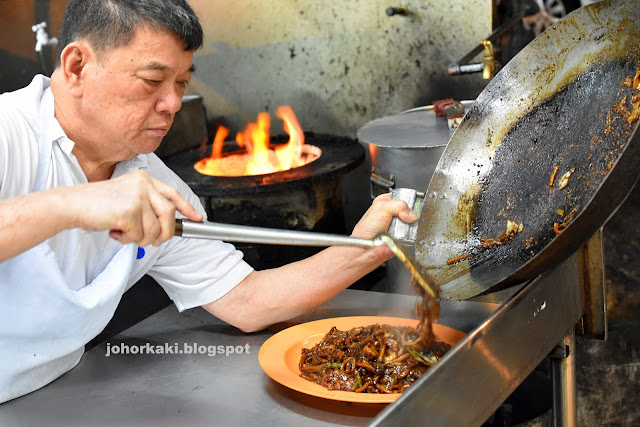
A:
42	37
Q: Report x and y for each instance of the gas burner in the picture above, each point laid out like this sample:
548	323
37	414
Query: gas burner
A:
339	156
307	198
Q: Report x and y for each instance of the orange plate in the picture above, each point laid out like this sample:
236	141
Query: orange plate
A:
280	355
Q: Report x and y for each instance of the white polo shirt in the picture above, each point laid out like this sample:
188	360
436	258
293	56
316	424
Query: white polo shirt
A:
193	272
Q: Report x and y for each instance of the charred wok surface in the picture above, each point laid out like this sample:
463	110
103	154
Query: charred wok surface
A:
570	131
546	170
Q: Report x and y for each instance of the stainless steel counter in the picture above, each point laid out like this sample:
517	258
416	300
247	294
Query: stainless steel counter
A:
199	389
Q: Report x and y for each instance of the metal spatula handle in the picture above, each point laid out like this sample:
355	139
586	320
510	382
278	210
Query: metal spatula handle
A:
248	234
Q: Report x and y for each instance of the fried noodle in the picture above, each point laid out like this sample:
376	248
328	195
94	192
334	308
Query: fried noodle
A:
378	358
370	359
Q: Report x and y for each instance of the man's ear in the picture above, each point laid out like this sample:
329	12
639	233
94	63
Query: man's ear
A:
73	61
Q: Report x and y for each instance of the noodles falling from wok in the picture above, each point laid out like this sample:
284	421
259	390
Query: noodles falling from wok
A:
377	358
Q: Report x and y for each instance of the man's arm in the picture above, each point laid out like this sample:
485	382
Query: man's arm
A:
28	220
135	207
270	296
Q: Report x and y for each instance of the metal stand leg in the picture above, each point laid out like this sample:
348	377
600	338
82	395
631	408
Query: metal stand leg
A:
563	374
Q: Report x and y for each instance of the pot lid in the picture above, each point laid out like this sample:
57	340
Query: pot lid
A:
415	128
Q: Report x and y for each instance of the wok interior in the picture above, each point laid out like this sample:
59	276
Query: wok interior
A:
498	164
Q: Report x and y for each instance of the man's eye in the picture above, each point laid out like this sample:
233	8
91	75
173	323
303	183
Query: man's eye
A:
153	82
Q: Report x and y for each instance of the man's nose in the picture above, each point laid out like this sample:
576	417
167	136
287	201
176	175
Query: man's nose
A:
170	102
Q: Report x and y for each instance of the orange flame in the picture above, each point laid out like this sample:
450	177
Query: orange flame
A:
259	157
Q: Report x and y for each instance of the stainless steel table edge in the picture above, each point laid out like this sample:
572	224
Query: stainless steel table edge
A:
482	370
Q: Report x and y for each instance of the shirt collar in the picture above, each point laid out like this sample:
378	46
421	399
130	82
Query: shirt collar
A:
141	161
56	134
51	127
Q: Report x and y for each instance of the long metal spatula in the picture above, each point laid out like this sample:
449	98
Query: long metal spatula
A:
249	234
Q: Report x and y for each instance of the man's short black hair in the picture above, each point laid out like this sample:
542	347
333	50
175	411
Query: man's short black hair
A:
109	24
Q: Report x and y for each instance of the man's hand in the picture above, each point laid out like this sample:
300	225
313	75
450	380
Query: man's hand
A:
135	207
378	219
379	215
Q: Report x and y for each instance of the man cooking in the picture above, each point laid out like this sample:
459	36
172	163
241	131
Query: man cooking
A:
81	190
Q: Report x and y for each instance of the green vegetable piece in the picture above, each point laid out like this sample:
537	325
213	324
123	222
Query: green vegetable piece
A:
426	359
358	383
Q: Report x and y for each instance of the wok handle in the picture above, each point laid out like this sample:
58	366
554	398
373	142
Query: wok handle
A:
248	234
403	232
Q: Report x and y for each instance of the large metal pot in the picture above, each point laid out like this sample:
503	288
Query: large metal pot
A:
405	148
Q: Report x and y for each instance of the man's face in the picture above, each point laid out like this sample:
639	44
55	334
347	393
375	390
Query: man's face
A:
133	92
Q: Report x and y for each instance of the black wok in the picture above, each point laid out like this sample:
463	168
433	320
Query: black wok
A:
559	102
